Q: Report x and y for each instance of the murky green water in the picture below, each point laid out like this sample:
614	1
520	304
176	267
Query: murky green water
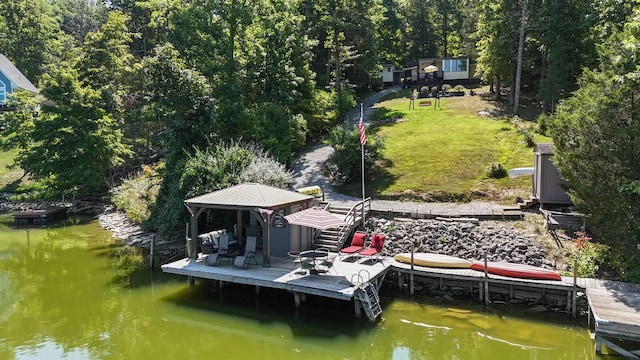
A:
63	294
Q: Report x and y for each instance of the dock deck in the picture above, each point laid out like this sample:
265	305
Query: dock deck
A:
39	217
340	282
615	309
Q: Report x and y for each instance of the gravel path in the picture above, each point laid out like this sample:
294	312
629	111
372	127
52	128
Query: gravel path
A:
307	171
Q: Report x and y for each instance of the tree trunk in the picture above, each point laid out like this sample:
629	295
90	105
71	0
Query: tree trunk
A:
516	95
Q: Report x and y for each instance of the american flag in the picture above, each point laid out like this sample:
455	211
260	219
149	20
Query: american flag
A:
363	136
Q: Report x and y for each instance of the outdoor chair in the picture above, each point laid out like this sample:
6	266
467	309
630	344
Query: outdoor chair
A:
377	242
249	254
206	244
357	243
223	251
328	262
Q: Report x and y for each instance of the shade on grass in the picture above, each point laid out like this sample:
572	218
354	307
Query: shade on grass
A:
449	149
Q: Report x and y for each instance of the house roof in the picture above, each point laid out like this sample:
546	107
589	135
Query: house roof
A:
15	75
249	196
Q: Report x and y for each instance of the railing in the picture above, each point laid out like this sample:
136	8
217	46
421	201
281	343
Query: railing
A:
350	217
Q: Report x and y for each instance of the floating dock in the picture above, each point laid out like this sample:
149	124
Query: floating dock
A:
39	217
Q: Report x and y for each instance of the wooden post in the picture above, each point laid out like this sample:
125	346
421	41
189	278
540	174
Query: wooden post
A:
411	283
486	281
151	251
574	302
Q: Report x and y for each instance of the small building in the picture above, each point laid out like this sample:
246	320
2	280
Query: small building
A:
389	75
11	79
548	186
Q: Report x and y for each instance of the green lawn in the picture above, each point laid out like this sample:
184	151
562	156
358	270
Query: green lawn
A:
8	176
447	151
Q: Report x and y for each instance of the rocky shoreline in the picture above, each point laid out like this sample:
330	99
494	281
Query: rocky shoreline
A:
467	240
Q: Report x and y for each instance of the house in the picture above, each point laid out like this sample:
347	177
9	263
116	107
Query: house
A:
454	70
11	79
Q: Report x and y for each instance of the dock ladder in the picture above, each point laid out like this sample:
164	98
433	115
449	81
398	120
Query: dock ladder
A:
367	294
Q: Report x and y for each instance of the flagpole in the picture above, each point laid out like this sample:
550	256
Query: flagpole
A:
362	150
362	158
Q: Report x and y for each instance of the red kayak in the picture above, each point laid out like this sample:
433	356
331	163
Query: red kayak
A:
517	270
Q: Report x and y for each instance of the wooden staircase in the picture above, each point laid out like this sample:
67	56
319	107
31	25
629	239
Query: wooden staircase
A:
333	239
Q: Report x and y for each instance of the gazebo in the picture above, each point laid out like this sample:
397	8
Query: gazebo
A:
263	202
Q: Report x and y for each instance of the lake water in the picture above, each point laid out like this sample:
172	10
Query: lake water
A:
68	292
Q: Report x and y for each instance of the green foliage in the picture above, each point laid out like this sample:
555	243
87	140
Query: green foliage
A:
544	121
212	168
346	160
496	171
74	143
587	255
137	195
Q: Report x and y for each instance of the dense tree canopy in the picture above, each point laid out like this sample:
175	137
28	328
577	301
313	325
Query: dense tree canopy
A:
131	81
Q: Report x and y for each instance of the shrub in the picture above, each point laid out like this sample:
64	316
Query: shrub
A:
586	255
543	121
496	171
446	88
459	88
529	138
346	159
137	194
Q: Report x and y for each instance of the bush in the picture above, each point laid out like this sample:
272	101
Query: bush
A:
346	161
543	121
137	194
586	255
459	88
446	88
496	171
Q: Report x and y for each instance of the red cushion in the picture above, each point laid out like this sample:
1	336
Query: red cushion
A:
358	239
369	251
351	249
378	241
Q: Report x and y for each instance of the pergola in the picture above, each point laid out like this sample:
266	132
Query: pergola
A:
260	200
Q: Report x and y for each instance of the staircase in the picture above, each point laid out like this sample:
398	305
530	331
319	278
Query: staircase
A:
333	239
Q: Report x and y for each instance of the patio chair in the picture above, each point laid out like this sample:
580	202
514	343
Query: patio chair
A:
377	242
357	243
249	254
328	262
223	251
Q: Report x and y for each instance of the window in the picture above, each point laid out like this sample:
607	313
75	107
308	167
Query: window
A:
455	65
389	69
3	94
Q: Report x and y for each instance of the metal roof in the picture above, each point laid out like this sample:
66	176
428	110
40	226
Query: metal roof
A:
15	75
249	196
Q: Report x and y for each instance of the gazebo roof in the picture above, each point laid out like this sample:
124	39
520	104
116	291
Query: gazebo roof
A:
249	196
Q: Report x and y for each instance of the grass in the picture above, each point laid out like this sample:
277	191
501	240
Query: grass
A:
444	154
8	177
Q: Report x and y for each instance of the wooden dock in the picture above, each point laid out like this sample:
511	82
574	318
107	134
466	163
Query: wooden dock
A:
345	280
615	316
39	217
485	284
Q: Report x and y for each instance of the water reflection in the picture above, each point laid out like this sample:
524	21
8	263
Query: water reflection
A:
71	292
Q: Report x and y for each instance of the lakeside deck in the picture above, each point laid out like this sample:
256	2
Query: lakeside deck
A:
342	281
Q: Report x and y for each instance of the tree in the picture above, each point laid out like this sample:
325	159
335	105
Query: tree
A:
595	133
29	35
74	143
